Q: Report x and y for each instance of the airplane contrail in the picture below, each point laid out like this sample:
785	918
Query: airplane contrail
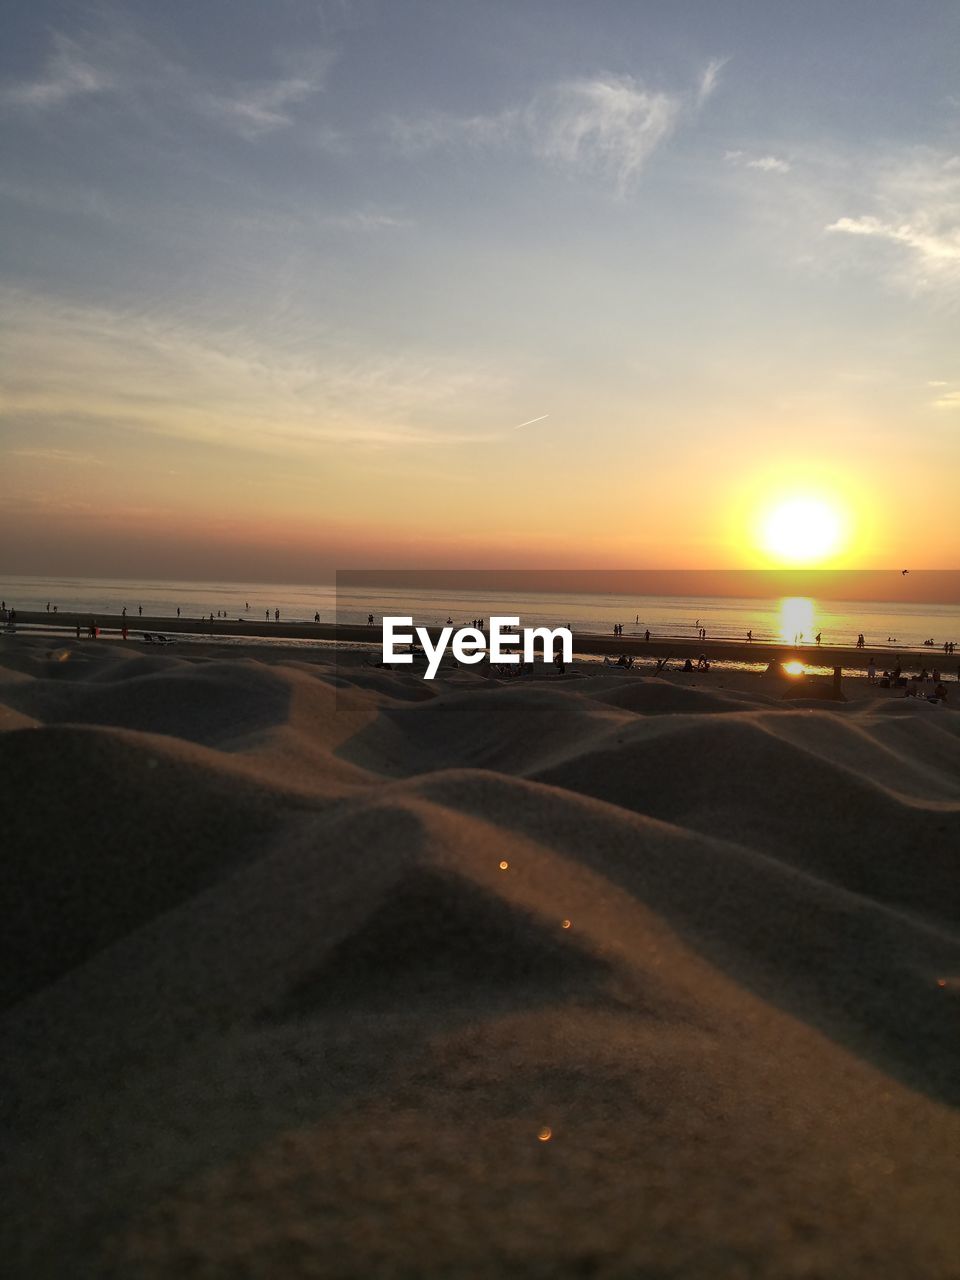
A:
530	421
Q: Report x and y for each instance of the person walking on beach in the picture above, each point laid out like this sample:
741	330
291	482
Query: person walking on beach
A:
266	614
817	637
123	612
646	635
276	615
178	611
78	630
316	616
750	637
369	619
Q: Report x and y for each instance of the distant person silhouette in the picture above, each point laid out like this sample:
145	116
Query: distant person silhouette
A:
646	635
818	637
370	619
140	609
316	617
276	615
266	614
123	612
750	636
178	611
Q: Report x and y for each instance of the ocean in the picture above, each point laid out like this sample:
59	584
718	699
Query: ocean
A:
785	619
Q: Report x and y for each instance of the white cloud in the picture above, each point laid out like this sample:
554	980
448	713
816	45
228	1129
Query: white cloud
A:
605	126
916	208
710	77
950	401
769	164
766	164
932	246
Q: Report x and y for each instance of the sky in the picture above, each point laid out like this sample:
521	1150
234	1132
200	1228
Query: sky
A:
292	287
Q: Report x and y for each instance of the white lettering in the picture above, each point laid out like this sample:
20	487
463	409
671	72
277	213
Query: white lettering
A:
499	637
469	645
434	652
391	638
549	638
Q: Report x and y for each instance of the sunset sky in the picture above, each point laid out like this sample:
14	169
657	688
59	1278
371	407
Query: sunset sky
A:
281	280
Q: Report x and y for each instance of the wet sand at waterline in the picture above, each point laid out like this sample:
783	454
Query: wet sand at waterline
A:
312	968
585	642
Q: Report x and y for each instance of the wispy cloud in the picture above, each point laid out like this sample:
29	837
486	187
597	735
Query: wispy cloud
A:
262	107
70	457
603	126
766	164
933	245
162	375
69	72
949	401
710	78
607	127
121	64
916	208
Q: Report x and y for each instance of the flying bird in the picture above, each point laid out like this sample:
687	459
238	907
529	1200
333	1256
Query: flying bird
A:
531	421
903	571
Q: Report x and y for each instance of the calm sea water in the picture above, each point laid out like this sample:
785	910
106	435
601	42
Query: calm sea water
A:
786	619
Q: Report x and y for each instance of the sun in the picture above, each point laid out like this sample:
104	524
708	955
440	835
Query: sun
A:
802	530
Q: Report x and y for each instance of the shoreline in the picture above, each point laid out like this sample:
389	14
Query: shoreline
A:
584	643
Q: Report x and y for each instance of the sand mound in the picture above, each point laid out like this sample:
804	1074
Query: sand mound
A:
311	973
107	831
213	704
510	728
661	697
445	939
734	778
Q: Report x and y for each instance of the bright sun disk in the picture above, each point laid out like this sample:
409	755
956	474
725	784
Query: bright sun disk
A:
802	531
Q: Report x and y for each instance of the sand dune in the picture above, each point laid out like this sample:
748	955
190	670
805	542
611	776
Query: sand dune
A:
275	1007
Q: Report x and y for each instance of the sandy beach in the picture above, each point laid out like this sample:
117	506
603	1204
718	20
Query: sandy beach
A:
315	969
585	642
